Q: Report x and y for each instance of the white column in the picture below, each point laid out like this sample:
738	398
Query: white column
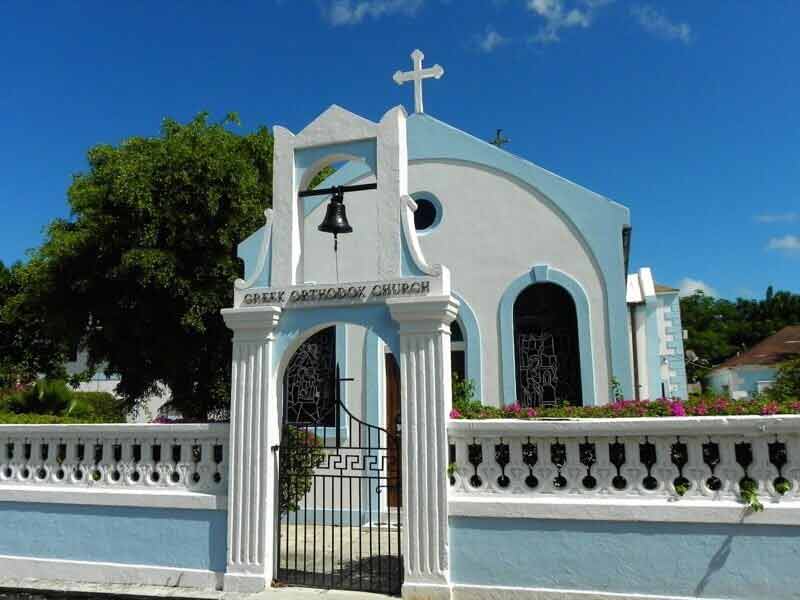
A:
426	402
287	233
392	179
253	430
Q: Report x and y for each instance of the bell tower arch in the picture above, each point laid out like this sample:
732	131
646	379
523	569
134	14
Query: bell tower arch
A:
337	135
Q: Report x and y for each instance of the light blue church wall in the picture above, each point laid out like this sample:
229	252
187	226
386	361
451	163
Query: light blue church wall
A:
653	348
180	538
673	328
669	559
590	215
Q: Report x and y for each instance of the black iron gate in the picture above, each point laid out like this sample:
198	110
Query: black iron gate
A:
339	484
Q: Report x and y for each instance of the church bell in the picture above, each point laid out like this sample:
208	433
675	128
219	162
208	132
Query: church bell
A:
335	221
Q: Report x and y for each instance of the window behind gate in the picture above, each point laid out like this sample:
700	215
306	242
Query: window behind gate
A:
309	382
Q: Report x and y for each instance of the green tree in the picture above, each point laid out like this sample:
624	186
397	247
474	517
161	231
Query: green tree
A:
26	349
787	384
720	328
138	274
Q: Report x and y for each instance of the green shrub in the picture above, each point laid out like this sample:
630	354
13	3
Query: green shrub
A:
44	397
96	407
52	401
787	383
10	418
301	453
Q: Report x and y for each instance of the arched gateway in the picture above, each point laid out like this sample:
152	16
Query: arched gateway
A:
292	437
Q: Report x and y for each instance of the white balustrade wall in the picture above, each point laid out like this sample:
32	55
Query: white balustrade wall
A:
190	457
682	459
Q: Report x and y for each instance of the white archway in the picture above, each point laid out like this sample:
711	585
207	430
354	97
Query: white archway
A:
265	337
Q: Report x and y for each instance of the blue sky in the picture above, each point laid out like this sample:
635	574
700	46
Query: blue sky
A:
687	112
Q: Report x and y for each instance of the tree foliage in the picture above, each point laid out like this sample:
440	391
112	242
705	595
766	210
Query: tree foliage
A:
137	276
787	383
26	349
719	328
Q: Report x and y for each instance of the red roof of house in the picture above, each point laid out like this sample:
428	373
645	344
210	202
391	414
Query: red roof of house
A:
775	349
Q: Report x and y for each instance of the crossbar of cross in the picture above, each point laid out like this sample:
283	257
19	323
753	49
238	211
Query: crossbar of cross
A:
417	75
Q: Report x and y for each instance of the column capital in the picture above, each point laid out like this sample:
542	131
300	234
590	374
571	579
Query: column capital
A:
252	320
432	313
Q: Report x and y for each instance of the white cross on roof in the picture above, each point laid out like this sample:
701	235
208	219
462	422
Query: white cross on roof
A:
417	74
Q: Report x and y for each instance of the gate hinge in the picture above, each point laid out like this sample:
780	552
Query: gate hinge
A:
276	447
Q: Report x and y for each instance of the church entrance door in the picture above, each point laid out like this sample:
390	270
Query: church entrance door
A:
393	424
339	480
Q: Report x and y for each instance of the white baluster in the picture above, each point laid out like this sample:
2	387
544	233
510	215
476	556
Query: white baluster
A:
633	470
730	471
545	471
50	463
573	471
695	470
516	470
761	469
792	469
664	470
603	470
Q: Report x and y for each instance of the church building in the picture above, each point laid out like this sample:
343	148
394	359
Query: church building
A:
548	312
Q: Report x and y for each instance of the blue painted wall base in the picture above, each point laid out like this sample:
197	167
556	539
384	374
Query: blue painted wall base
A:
190	539
676	559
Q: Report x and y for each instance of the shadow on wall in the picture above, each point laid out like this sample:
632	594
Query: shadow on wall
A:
715	565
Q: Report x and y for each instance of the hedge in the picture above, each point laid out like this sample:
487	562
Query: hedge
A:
694	407
50	402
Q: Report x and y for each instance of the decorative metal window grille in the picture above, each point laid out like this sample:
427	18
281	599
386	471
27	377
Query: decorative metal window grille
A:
538	369
310	382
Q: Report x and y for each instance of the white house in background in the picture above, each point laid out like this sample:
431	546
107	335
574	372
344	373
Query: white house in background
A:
754	371
659	368
149	408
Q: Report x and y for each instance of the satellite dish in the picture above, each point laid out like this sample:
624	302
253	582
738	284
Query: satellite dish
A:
691	356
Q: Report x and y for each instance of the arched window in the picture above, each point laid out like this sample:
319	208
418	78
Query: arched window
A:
546	349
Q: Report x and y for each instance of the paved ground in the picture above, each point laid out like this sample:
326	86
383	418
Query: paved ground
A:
354	558
11	589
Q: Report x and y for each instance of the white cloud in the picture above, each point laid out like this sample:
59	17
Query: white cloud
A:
689	286
789	217
558	15
787	243
490	40
353	12
660	25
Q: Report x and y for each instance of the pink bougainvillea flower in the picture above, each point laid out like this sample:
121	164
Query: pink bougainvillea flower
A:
676	409
701	410
770	408
513	409
532	412
454	414
796	406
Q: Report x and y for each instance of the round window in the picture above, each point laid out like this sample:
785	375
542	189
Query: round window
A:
426	214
